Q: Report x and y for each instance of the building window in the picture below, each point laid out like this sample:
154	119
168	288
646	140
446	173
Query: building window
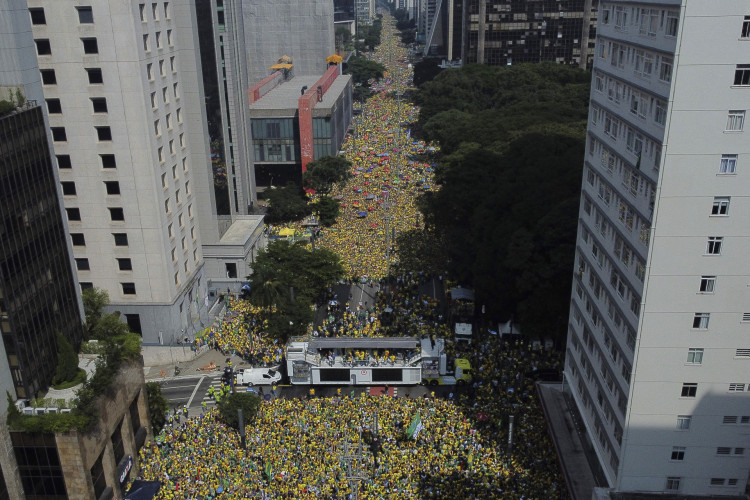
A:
48	76
162	70
713	247
99	104
170	231
665	69
116	214
174	254
172	65
108	161
695	356
85	15
728	164
673	484
63	162
68	188
673	18
717	481
142	12
166	206
742	75
179	115
735	120
103	133
86	285
37	16
98	479
720	205
150	72
155	11
170	42
158	40
184	244
660	112
43	47
708	284
168	120
39	464
742	353
53	106
689	390
745	27
175	91
58	134
146	43
95	76
678	453
90	46
166	10
736	387
121	239
160	155
125	264
683	422
157	128
128	288
74	214
177	279
82	264
112	187
78	239
700	320
181	221
165	95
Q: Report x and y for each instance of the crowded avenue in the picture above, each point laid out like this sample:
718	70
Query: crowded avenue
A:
485	440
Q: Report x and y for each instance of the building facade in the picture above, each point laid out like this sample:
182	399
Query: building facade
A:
658	356
125	110
510	32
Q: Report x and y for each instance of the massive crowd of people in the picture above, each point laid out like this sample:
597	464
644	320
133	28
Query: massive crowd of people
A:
311	448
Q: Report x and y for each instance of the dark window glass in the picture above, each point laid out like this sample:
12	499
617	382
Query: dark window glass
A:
121	239
63	161
134	323
98	479
90	46
53	106
68	188
85	15
99	104
128	289
78	239
108	161
48	76
37	16
74	214
43	47
125	264
58	134
113	187
82	264
116	214
95	75
104	133
86	285
39	465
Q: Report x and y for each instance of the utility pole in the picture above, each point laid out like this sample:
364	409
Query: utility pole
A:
356	470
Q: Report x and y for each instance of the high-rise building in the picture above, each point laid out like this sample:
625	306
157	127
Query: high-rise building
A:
120	81
658	355
510	32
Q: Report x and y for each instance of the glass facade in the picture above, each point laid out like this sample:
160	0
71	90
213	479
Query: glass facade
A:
37	291
274	140
39	466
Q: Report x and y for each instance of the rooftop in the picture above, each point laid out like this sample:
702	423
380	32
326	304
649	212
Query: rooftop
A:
286	95
241	229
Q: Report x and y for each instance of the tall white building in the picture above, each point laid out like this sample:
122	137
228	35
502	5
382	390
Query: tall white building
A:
125	105
658	355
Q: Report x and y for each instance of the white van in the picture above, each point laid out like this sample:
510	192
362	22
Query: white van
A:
257	376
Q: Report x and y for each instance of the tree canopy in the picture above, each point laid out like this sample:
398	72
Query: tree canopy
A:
101	325
245	401
286	204
507	207
328	210
291	278
325	173
363	70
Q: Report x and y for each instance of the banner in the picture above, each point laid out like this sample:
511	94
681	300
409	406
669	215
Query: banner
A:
269	475
414	427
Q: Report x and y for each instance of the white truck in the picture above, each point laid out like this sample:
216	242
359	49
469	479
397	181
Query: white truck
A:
257	376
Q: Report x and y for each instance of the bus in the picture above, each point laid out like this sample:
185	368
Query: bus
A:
357	361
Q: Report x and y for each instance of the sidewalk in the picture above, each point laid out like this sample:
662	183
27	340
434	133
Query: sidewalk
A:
193	367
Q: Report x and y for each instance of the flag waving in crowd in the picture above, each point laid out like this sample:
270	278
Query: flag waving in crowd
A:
416	425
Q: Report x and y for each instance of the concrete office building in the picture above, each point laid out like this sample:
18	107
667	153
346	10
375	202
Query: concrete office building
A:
658	355
125	109
296	121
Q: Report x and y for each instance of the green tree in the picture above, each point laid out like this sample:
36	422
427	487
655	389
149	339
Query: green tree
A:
245	401
67	361
294	278
286	204
109	326
363	70
94	301
158	405
328	210
325	173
